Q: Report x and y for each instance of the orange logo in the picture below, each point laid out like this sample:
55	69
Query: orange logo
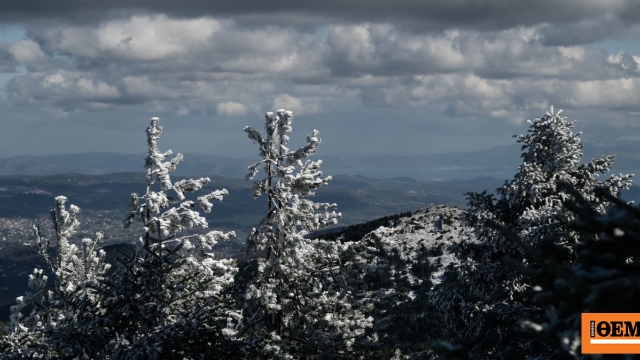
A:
610	333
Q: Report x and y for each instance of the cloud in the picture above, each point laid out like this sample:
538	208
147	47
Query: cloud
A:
297	105
417	16
441	64
204	62
384	50
625	61
28	54
139	38
63	90
381	50
231	108
608	94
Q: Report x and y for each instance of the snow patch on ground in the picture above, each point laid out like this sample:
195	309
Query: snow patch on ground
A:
432	229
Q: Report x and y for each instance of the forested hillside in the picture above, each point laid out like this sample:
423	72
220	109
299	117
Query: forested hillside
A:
504	276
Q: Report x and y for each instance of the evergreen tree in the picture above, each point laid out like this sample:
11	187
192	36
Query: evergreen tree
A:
169	298
484	305
306	300
60	315
604	279
166	300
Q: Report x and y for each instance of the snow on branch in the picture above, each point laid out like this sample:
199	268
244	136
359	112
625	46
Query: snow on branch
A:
161	220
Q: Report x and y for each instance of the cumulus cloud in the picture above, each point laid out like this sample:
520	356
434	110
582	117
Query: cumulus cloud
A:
139	38
384	50
28	54
62	90
297	105
459	60
231	108
151	58
625	61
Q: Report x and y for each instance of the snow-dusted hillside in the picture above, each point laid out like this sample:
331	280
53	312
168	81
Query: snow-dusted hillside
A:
425	235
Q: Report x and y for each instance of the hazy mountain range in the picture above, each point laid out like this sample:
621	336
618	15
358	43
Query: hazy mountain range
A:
500	162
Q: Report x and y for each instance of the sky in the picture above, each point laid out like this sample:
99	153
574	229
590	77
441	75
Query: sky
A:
373	76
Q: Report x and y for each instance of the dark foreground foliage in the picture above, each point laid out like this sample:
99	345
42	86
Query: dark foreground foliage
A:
605	278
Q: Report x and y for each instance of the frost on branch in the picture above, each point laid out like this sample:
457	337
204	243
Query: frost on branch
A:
59	313
531	206
604	279
162	221
172	274
167	299
307	296
286	182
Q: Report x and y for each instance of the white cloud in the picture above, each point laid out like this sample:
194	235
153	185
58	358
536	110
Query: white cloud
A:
203	61
288	102
97	89
236	66
139	38
383	49
297	105
573	53
62	91
609	94
624	60
27	53
353	45
77	85
231	108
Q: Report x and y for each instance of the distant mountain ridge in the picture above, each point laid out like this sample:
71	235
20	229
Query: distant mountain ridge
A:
463	165
500	162
99	163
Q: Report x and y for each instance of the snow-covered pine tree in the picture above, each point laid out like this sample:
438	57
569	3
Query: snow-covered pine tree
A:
603	279
169	298
305	301
484	306
56	326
